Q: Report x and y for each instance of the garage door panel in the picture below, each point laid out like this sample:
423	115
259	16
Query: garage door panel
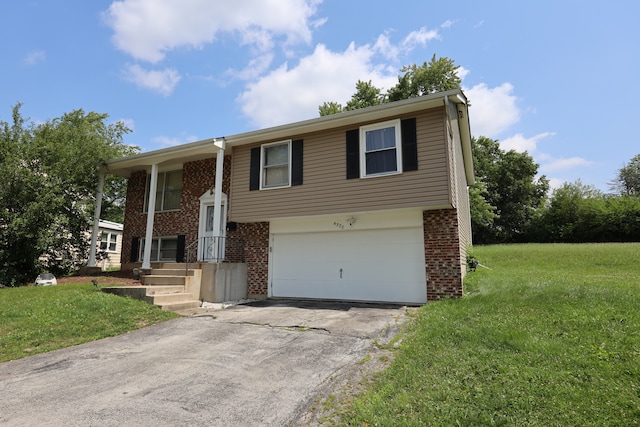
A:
371	265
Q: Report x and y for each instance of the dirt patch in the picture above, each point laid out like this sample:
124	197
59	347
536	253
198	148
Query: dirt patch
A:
106	278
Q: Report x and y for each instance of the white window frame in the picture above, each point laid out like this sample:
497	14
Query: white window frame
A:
163	191
363	147
159	250
112	239
263	166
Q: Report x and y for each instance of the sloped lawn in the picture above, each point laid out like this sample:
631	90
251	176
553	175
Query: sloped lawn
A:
549	337
38	319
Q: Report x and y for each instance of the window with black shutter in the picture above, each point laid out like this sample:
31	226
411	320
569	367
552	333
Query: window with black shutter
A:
385	148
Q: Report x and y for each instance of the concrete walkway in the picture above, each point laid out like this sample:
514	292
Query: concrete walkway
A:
261	364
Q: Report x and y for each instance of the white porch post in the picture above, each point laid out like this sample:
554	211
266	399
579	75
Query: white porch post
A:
96	221
217	195
151	208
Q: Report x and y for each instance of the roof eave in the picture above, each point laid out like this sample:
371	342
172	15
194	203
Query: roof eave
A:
168	157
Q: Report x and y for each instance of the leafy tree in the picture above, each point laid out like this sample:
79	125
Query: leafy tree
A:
482	213
627	182
328	108
558	220
49	175
437	75
578	213
434	76
512	188
367	95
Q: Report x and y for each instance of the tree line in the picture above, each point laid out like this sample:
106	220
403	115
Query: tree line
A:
48	180
509	202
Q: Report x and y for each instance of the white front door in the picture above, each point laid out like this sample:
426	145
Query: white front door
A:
211	242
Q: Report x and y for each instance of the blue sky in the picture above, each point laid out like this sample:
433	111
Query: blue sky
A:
555	78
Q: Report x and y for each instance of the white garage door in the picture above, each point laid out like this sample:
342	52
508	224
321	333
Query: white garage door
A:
364	265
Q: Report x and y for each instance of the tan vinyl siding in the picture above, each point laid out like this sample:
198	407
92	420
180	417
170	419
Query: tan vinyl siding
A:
462	197
326	190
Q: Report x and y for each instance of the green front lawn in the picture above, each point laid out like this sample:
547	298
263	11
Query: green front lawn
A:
549	337
38	319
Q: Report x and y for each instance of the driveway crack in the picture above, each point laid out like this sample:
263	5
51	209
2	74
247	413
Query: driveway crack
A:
297	328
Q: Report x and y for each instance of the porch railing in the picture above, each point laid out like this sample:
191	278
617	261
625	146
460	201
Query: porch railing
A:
215	249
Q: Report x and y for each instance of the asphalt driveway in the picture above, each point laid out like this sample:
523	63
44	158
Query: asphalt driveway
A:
262	364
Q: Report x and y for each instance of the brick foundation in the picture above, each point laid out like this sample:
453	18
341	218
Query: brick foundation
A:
442	254
250	244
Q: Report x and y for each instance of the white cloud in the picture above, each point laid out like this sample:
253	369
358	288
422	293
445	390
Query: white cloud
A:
254	69
462	72
414	39
521	144
162	81
167	141
564	164
148	29
323	76
419	38
493	110
292	94
35	57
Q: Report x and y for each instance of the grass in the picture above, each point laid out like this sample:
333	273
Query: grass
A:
549	337
39	319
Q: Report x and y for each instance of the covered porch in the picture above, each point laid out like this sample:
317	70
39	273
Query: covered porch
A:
175	218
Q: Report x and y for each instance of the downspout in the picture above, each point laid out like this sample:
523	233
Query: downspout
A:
151	208
96	221
217	195
452	161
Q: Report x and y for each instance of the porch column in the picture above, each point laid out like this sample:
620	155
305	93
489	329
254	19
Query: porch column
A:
151	209
217	194
96	221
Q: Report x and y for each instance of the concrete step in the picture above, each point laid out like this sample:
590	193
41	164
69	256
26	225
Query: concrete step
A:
164	289
154	280
177	306
161	299
175	265
171	272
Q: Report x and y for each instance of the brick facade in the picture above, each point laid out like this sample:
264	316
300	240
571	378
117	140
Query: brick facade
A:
249	242
197	177
442	254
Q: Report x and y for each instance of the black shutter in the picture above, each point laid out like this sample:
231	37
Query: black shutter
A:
409	145
180	248
254	174
135	244
353	153
296	162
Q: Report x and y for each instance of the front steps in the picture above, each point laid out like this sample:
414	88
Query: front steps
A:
169	286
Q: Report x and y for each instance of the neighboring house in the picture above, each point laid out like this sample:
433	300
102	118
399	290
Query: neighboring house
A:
109	245
365	205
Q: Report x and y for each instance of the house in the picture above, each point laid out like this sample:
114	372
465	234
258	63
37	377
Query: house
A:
105	247
110	244
365	205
